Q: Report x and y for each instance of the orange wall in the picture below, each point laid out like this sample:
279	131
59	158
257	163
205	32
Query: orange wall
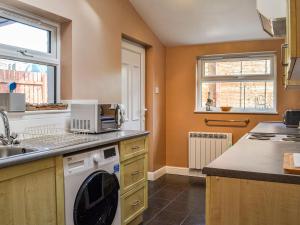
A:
180	95
91	56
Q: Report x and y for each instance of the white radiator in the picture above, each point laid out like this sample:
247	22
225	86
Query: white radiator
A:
205	147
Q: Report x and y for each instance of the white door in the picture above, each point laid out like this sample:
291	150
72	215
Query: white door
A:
133	85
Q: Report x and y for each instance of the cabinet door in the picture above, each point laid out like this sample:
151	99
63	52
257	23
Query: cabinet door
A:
231	201
290	48
29	199
292	32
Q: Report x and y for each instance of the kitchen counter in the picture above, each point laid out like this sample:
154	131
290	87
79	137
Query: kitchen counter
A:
100	139
275	128
256	159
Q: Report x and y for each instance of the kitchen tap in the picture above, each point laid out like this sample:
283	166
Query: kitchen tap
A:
7	138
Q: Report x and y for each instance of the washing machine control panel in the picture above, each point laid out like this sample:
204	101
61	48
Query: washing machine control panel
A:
88	160
110	152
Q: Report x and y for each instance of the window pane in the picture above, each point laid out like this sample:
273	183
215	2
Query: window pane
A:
24	36
237	67
243	95
256	67
35	80
258	95
223	68
223	94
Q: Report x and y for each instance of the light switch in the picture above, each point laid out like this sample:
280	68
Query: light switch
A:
156	91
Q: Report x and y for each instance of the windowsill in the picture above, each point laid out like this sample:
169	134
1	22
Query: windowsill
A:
218	111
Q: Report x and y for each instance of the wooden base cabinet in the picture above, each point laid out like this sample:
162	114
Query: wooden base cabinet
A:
247	202
133	180
32	193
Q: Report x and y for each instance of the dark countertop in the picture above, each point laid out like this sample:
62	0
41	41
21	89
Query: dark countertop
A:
275	128
255	159
101	139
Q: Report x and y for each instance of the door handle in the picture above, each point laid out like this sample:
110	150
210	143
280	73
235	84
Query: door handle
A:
24	53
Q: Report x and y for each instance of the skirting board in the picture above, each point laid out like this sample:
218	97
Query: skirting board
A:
174	170
157	173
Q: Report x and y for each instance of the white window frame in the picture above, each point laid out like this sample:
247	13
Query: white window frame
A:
200	77
32	56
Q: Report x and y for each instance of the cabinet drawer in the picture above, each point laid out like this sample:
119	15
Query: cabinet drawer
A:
132	148
133	203
133	172
136	221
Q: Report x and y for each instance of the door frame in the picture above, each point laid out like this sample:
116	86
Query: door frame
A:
137	48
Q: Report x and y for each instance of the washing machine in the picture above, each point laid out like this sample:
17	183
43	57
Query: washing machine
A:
92	191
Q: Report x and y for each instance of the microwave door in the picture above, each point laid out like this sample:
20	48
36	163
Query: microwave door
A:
108	123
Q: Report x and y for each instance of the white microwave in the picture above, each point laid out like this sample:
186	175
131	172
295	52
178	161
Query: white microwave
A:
95	118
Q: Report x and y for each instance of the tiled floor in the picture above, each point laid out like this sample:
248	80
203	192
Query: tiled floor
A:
176	200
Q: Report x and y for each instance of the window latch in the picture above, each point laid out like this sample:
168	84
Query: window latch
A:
24	53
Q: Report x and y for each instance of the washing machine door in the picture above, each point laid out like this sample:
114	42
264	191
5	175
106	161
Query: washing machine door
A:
97	200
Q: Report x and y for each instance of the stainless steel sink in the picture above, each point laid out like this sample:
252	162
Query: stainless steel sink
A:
10	151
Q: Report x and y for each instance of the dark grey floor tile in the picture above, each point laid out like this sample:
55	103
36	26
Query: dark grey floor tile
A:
170	217
155	205
176	200
194	220
193	194
157	222
187	180
150	213
198	180
166	194
158	202
186	207
176	187
154	186
176	179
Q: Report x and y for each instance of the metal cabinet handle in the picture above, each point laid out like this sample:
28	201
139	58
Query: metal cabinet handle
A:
135	147
283	49
135	173
136	203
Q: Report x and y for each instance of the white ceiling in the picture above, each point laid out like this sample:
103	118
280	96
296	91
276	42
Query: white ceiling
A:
185	22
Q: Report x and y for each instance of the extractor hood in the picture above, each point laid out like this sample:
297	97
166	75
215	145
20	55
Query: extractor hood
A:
272	15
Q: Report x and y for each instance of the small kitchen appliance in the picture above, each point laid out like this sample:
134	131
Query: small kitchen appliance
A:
91	117
292	118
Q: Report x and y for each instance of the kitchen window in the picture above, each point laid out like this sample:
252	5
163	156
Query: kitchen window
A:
29	55
247	83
